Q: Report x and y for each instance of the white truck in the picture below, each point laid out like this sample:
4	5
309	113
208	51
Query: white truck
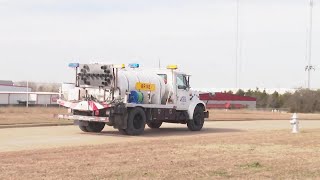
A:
129	98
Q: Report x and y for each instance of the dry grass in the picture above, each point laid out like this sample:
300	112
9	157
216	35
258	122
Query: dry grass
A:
244	115
32	115
237	155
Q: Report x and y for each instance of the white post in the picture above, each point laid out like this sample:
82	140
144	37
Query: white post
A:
60	94
295	123
27	104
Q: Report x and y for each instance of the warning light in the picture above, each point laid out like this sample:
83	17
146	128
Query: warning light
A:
121	66
134	65
172	67
74	65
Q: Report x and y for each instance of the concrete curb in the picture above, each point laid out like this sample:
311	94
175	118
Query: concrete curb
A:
261	120
248	120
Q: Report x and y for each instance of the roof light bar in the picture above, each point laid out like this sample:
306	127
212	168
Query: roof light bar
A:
173	67
134	65
74	65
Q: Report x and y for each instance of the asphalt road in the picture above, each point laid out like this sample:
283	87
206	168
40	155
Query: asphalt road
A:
16	139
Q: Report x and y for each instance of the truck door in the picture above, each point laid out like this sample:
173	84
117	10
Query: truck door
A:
183	96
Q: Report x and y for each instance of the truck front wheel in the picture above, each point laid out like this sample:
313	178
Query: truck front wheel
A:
136	122
197	122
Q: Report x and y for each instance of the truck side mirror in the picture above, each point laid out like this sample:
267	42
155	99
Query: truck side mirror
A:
188	82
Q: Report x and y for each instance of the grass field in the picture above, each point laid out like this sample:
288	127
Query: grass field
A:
223	150
238	155
244	115
32	115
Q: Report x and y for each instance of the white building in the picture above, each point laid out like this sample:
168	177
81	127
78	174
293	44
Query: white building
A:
33	98
11	94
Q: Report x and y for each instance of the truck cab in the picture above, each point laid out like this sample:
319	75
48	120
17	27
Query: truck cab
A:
178	84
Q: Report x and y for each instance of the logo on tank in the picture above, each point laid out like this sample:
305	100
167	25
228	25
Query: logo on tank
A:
145	86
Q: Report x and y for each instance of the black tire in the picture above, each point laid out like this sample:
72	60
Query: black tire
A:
197	122
155	124
95	126
136	122
109	123
122	131
83	128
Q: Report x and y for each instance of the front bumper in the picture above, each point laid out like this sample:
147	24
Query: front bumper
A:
83	118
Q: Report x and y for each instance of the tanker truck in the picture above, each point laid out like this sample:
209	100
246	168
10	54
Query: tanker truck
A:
129	98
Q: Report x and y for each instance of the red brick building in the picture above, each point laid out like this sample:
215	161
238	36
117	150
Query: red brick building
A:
227	101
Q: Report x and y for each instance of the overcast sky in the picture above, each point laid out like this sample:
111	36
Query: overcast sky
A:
38	38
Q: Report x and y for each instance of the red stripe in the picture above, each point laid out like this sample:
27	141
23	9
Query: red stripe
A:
93	106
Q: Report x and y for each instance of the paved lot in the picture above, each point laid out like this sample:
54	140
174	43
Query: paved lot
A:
16	139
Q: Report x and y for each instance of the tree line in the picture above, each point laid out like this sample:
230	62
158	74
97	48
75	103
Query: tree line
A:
40	87
302	100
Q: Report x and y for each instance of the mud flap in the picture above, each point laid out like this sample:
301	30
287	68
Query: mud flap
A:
206	114
121	121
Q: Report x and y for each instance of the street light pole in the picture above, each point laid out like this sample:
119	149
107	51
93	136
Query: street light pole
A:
309	67
237	44
27	103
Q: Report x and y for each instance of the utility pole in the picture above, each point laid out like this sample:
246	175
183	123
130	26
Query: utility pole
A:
27	103
309	67
237	45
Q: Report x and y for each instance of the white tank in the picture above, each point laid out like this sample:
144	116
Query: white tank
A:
127	80
69	91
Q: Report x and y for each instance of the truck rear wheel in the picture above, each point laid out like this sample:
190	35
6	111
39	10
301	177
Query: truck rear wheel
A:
197	122
83	128
154	125
95	126
136	122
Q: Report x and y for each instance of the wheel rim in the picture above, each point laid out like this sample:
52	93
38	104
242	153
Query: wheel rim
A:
137	121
